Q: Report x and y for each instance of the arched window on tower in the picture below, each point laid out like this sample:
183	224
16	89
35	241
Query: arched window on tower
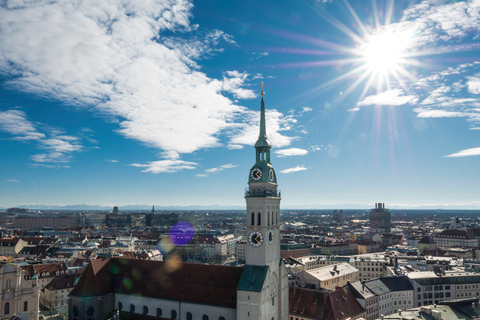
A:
259	220
253	219
278	216
268	218
272	219
25	306
7	308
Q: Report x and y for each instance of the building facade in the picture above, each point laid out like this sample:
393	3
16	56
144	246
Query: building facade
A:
19	297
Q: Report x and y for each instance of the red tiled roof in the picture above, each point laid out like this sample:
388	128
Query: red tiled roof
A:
44	270
197	283
336	305
63	281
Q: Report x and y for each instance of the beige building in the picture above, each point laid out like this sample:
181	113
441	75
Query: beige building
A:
10	247
19	297
328	277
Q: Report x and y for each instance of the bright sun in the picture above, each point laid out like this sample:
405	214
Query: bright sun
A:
385	53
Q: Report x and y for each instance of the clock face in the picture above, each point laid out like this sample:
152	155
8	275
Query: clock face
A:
256	174
255	238
271	175
270	236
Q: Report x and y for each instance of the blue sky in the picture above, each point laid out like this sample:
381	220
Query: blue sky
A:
141	102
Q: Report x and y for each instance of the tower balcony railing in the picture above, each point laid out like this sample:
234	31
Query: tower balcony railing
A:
263	193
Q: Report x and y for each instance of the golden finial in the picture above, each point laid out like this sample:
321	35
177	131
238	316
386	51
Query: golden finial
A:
262	86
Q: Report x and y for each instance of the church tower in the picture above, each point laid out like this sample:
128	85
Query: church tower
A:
263	290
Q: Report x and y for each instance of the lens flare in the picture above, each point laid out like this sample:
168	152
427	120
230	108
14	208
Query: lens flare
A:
181	233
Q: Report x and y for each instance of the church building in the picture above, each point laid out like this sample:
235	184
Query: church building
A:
144	289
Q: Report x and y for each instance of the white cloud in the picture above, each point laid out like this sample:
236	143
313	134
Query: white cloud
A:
294	169
59	146
221	168
166	166
393	97
306	109
436	21
12	180
119	59
114	161
465	153
447	96
425	113
291	152
473	84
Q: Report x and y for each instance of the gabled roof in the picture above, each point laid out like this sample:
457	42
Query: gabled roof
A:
253	278
315	304
173	280
63	281
427	240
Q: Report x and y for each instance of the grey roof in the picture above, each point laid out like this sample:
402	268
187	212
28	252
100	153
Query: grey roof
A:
445	309
389	284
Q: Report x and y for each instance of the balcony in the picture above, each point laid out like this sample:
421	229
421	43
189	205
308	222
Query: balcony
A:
262	193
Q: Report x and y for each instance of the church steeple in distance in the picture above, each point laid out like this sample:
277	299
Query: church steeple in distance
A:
262	171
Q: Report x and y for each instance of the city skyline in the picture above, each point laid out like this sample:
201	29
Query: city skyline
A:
116	104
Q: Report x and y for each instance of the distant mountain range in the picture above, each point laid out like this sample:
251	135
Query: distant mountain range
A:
134	207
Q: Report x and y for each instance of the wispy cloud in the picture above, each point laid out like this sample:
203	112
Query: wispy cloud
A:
450	93
465	153
291	152
12	180
221	168
436	21
393	97
294	169
215	170
59	146
306	109
165	166
87	55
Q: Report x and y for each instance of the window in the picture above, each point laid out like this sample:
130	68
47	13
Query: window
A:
259	220
25	306
9	283
159	312
75	311
204	317
145	310
173	314
189	316
90	312
120	306
253	219
222	318
132	307
7	305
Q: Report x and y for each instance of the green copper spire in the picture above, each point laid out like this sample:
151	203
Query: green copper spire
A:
262	171
262	141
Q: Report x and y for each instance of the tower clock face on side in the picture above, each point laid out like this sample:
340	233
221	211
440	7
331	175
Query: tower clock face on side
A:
256	174
255	238
271	175
270	236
